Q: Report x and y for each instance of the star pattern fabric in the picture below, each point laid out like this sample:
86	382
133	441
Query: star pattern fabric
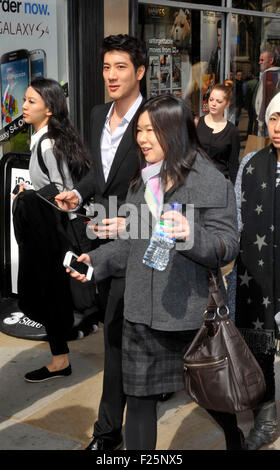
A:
259	197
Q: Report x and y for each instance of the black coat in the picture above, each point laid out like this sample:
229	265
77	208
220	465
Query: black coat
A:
43	284
123	168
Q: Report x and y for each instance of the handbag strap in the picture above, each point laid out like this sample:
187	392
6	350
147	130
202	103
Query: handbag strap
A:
215	297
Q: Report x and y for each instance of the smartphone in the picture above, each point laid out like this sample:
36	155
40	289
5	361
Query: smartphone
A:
70	261
38	63
15	73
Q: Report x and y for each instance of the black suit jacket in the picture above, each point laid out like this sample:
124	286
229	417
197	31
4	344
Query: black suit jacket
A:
123	168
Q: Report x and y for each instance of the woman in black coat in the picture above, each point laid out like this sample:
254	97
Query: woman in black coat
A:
258	267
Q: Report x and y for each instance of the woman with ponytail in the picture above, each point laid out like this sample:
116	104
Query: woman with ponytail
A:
58	161
218	136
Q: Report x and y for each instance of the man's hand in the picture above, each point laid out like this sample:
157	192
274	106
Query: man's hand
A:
67	200
110	228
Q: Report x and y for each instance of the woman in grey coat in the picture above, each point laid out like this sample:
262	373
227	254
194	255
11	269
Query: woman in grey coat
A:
163	309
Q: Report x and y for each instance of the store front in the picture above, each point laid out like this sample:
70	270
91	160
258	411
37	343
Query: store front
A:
192	46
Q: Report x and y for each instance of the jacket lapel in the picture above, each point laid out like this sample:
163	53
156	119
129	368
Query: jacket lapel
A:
120	155
96	140
122	150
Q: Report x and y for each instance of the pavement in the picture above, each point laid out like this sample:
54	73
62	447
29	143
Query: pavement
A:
59	414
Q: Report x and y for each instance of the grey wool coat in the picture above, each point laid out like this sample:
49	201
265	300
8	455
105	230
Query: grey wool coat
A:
174	299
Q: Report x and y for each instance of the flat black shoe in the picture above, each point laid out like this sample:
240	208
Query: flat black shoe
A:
99	443
165	396
238	443
40	375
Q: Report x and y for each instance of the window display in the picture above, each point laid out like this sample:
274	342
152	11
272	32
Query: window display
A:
191	49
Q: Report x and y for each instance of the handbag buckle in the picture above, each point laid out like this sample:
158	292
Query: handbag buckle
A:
224	316
207	314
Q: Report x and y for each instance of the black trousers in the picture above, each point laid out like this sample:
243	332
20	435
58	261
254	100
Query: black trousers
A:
113	400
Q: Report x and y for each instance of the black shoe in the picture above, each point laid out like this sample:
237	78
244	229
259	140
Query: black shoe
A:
99	443
165	396
237	442
40	375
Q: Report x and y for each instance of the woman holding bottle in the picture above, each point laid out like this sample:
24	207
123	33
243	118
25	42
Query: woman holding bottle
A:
218	136
162	306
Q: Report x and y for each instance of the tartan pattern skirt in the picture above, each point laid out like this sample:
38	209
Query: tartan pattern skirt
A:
152	360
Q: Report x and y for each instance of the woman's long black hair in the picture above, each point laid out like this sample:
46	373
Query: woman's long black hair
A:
174	127
68	146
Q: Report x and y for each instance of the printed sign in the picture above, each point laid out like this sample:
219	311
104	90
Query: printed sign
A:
28	49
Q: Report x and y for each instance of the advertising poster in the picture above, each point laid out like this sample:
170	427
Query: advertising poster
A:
28	49
167	32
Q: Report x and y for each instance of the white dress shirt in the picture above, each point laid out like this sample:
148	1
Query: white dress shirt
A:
110	141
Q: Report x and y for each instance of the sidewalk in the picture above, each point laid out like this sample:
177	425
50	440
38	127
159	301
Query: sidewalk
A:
59	414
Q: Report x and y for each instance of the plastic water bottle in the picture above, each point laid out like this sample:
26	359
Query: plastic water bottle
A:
157	253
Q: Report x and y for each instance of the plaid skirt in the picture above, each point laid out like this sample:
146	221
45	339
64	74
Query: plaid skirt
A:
152	360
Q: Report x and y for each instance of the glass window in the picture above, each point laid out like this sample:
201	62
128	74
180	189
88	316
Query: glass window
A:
256	58
216	3
185	50
190	50
271	6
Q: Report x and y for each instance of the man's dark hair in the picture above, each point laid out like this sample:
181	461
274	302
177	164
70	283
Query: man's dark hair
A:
133	46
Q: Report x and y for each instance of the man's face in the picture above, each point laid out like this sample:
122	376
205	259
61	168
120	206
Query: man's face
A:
121	79
239	76
265	61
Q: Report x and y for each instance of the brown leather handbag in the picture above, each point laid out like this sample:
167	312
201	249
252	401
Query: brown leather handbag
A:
220	371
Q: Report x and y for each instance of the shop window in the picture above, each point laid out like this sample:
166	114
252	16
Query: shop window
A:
185	52
188	54
269	6
217	3
256	58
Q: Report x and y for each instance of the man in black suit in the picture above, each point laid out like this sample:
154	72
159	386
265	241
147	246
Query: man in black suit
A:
215	57
114	162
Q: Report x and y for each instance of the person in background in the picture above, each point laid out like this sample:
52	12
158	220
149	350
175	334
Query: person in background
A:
214	64
269	85
258	265
218	136
249	93
114	162
160	325
239	99
63	162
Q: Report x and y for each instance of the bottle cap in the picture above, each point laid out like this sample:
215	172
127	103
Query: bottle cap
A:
176	206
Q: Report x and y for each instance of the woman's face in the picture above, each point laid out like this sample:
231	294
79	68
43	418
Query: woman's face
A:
274	129
34	109
147	140
217	102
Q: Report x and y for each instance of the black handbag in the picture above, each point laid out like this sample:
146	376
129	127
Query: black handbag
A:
220	371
